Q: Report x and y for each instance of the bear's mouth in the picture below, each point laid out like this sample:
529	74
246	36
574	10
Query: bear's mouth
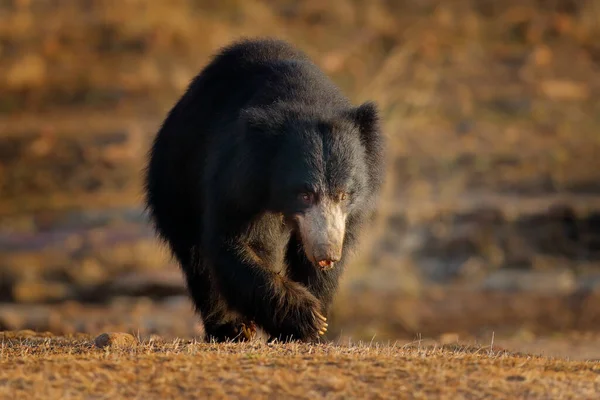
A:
325	265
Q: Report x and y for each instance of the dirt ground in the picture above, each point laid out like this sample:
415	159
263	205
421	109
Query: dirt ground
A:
74	367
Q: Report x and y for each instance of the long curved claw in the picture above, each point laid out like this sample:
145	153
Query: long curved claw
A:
249	331
322	318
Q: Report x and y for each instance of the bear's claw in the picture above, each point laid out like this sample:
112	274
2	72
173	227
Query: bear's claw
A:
321	320
248	331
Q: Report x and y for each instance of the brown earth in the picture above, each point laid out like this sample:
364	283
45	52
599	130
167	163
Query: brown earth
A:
72	367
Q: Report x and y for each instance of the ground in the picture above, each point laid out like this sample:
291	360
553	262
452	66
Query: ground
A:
73	367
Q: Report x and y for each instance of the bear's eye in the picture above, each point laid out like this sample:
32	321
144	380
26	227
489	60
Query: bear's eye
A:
306	197
343	196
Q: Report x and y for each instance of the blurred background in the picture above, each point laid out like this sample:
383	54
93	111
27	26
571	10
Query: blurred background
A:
491	217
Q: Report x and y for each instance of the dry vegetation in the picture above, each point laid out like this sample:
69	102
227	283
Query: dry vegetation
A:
55	367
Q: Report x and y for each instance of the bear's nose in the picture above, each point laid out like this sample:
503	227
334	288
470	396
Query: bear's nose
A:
326	256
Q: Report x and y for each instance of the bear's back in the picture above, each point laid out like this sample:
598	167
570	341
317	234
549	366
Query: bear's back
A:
259	51
257	72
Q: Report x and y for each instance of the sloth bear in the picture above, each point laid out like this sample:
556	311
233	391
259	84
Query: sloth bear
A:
259	180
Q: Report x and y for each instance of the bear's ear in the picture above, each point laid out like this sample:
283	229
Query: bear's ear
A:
262	119
366	118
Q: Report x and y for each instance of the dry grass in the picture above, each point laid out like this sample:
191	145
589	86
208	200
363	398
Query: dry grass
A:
72	367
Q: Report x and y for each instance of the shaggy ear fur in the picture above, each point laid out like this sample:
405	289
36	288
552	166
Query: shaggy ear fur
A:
366	118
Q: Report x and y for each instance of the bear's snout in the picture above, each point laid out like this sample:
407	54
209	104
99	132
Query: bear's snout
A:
326	255
322	229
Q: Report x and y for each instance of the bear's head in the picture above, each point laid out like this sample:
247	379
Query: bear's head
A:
325	171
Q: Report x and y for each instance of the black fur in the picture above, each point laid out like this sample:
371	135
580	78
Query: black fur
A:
259	123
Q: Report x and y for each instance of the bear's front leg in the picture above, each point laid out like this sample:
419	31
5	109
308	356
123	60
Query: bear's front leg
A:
283	308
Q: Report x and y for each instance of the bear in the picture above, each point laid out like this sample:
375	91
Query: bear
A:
259	180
